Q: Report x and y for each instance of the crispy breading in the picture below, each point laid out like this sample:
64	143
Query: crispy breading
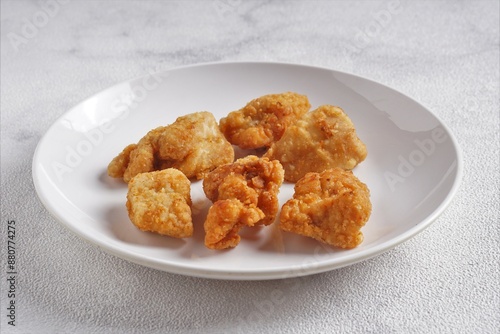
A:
263	120
244	193
160	202
193	144
321	139
225	219
119	164
331	207
250	180
136	158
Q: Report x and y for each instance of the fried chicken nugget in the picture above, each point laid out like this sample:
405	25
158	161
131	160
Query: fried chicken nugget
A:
244	193
160	202
136	158
193	144
225	219
321	139
331	207
118	166
263	120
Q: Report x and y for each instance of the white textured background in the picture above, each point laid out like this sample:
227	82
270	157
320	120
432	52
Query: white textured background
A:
444	54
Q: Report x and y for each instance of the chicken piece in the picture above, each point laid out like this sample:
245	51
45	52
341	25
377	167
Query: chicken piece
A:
225	219
193	144
119	164
250	180
244	193
331	207
263	120
160	202
136	158
322	139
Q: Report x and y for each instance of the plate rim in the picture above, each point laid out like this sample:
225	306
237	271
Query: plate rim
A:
254	274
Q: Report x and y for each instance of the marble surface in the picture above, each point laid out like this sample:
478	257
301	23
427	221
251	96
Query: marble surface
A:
445	54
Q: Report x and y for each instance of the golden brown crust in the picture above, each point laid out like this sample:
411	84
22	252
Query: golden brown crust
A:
247	179
193	144
119	164
323	138
160	202
263	120
244	193
225	219
331	207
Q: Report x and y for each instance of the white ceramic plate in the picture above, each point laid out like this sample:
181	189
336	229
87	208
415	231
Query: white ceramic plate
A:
413	167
